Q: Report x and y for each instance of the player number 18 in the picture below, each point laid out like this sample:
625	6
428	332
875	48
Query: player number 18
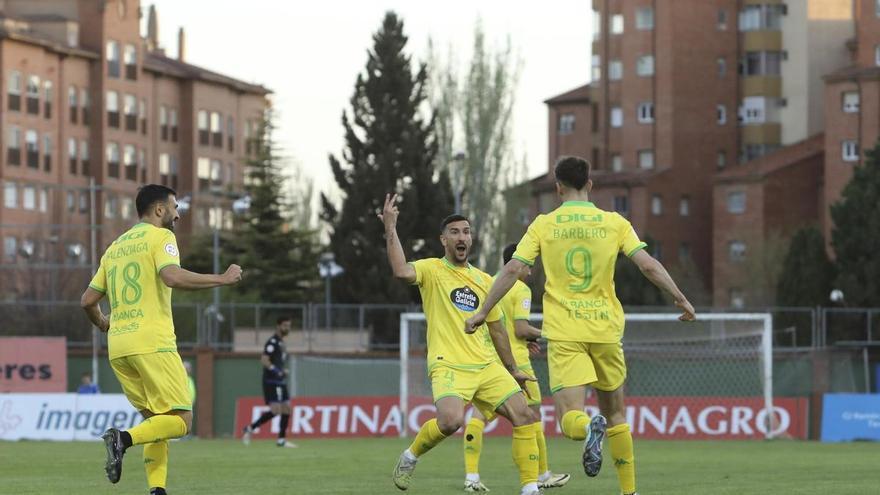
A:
579	263
131	288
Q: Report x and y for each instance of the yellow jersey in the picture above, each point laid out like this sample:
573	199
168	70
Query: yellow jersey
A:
578	244
517	305
450	295
140	303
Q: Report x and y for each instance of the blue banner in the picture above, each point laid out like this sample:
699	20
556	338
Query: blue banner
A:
848	417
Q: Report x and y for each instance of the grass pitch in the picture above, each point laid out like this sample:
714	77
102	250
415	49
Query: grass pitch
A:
364	467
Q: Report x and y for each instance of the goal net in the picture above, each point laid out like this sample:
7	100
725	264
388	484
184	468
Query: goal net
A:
712	378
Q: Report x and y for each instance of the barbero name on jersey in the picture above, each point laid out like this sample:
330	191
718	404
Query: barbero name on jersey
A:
578	232
587	309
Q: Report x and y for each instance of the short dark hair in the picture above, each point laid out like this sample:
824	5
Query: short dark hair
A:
151	194
455	217
572	171
282	319
507	254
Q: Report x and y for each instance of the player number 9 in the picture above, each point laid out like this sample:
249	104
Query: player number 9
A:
579	263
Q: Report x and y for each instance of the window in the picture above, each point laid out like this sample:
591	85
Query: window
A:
130	159
722	20
113	109
142	115
113	59
32	148
722	67
164	168
616	162
617	24
721	111
204	172
877	8
615	70
216	173
48	98
72	104
616	117
113	160
684	206
721	159
84	202
850	151
877	55
71	155
10	248
656	205
597	25
646	159
684	251
84	101
761	17
33	95
172	121
216	130
14	91
125	211
736	251
10	195
765	63
851	102
752	151
71	201
142	164
737	300
736	202
646	112
130	62
174	172
566	123
645	65
163	123
645	18
111	206
204	136
84	156
130	109
44	199
13	146
29	198
754	110
621	205
596	67
230	133
47	152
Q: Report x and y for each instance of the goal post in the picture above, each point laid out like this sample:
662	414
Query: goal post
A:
720	355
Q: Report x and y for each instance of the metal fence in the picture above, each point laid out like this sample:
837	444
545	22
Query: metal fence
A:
370	327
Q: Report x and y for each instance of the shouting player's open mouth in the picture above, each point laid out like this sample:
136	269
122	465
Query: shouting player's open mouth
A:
461	248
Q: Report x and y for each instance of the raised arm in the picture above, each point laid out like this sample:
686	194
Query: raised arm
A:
179	278
654	271
401	269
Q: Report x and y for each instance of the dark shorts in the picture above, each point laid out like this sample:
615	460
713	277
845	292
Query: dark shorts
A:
275	393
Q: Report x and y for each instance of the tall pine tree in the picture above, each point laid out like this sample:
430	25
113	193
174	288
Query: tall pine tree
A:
807	273
856	234
389	147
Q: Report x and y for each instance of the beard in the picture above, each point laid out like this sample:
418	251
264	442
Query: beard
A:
168	223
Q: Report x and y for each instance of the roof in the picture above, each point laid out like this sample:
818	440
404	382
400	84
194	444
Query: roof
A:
46	43
581	94
44	18
775	161
160	64
853	72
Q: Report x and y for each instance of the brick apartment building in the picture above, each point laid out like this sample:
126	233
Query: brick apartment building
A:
706	123
87	97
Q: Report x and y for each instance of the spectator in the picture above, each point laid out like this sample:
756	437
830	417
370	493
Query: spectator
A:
86	386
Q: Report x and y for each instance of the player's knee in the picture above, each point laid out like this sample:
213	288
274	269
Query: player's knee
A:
448	425
187	418
616	418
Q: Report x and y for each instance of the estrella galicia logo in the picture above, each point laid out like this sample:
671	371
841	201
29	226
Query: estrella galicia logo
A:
464	299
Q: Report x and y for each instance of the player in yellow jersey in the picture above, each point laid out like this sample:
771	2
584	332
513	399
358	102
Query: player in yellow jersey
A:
463	367
137	273
583	319
516	306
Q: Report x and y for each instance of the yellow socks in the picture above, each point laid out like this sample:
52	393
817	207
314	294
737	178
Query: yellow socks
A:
620	443
157	428
473	445
156	463
429	436
525	453
574	424
543	462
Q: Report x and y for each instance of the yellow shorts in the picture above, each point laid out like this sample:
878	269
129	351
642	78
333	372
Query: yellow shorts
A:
573	364
533	397
487	388
155	382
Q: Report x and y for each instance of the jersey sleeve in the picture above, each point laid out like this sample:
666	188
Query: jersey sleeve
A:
522	307
630	243
529	246
166	253
269	348
424	270
99	281
495	314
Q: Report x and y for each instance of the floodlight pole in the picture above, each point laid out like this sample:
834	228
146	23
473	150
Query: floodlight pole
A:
93	241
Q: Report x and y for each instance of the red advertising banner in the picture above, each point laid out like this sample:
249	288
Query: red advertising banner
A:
33	364
677	418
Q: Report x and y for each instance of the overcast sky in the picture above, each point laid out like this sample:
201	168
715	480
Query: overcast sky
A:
309	54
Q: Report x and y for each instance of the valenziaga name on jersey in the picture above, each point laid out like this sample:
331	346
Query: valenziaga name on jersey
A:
587	309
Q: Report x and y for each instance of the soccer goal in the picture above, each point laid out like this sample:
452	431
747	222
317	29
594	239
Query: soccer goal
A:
712	378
